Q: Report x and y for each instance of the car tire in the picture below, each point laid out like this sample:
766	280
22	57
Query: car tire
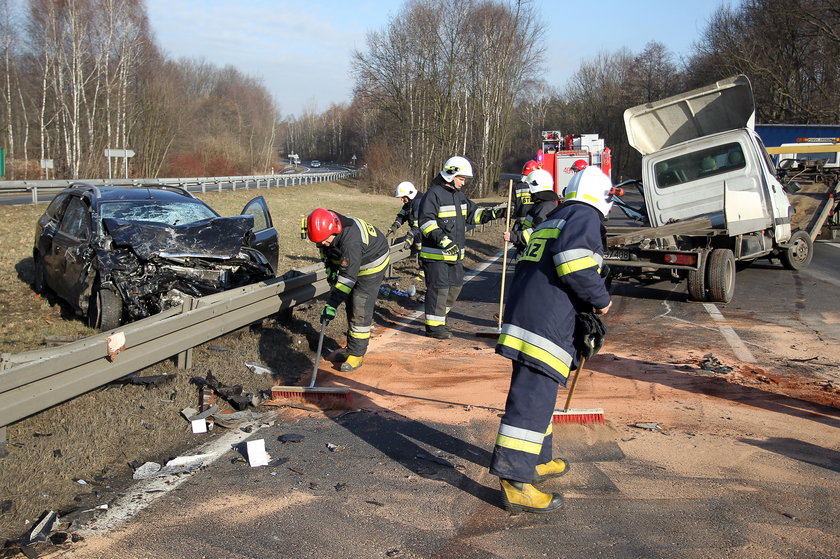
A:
105	309
800	251
720	275
39	278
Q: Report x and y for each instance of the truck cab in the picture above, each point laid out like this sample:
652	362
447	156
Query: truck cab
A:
702	158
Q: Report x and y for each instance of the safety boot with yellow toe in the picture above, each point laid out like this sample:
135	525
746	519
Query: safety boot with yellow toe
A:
554	468
352	363
518	496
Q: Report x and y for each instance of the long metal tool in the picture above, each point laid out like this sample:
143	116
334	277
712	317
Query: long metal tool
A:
498	330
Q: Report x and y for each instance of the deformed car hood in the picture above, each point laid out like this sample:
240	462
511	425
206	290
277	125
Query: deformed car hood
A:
219	237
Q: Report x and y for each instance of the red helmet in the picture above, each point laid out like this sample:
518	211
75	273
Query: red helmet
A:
530	167
322	223
579	165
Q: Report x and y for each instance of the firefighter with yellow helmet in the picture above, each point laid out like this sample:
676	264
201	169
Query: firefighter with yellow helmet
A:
356	255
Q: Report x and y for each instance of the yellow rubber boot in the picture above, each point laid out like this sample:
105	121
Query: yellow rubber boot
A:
555	468
352	363
518	496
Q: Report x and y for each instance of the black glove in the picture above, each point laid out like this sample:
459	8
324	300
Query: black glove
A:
590	332
449	247
499	212
391	231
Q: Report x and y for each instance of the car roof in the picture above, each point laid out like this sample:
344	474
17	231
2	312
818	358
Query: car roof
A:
159	192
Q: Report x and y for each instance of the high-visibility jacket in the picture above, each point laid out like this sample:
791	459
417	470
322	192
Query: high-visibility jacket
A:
522	200
360	249
445	213
409	213
556	277
545	202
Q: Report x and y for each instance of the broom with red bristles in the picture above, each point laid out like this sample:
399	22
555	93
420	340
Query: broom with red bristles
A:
314	393
591	332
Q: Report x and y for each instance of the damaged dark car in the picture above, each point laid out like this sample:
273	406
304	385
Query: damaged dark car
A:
122	253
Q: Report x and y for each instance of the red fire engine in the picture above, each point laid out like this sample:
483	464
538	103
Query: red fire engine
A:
559	152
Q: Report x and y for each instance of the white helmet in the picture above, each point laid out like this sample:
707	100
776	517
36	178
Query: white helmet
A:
405	188
456	166
539	180
592	187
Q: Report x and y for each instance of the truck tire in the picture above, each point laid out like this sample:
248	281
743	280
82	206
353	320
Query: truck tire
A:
105	309
800	251
697	281
720	275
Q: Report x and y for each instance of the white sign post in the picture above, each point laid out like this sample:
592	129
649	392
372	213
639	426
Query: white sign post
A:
124	153
46	165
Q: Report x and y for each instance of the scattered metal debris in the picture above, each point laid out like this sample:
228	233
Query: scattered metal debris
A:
290	438
258	369
647	426
334	447
711	363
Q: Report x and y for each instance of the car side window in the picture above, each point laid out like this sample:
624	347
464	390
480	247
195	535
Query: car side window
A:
56	207
76	221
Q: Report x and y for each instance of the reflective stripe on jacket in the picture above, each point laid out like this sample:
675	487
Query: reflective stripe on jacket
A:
360	249
556	277
445	213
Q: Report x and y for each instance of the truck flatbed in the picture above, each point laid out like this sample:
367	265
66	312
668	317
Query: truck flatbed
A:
813	203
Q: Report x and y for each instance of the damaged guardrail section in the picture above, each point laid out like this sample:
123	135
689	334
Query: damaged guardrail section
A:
34	381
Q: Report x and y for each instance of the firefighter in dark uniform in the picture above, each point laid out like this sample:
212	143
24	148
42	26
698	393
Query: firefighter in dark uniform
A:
556	278
541	189
444	215
409	213
355	255
522	201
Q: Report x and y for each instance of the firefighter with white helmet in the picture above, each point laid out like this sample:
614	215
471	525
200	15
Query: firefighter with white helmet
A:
409	213
556	279
522	193
355	255
544	201
444	214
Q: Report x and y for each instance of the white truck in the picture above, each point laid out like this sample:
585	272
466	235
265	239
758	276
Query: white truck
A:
712	199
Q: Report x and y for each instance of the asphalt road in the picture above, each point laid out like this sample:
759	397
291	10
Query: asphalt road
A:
369	484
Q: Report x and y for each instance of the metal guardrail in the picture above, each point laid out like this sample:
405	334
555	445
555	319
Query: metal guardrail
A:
282	179
33	381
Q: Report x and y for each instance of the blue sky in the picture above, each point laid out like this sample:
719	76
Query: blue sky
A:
302	50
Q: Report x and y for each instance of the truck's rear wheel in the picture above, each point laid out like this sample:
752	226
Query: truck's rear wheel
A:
720	275
697	281
800	251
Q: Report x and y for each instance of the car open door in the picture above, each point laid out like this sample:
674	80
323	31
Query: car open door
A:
265	238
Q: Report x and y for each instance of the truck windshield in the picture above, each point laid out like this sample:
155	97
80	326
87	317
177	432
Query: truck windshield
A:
699	164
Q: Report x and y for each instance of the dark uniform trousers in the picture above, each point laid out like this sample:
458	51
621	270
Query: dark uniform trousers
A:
525	435
444	281
360	311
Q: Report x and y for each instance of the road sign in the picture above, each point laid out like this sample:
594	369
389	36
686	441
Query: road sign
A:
47	164
119	153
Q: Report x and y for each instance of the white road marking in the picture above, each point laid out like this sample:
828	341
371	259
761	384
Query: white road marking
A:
741	351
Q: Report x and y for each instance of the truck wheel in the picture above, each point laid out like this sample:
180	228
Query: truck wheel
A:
697	281
800	251
720	275
105	309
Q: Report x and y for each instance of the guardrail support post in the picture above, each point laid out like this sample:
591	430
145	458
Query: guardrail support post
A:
2	434
34	195
184	359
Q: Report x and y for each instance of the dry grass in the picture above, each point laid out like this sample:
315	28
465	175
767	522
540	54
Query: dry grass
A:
27	318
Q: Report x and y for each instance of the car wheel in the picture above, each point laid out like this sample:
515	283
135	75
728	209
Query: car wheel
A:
105	310
799	253
720	275
39	280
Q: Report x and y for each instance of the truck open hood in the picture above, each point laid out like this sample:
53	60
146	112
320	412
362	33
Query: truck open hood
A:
220	237
724	105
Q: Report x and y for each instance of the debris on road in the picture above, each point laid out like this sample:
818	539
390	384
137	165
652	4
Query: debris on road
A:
290	438
647	426
147	470
258	369
712	364
257	456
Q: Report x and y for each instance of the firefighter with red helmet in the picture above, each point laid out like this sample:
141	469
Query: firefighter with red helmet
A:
444	215
541	189
556	279
355	255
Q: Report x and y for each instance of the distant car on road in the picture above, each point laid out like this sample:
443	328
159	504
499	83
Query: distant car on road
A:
121	253
315	163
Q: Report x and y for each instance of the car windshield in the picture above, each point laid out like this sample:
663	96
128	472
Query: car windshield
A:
170	213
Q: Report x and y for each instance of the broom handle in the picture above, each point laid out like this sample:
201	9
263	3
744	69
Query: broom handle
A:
318	354
504	253
574	383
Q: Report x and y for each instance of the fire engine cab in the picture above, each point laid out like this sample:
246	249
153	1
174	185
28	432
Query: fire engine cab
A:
559	152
